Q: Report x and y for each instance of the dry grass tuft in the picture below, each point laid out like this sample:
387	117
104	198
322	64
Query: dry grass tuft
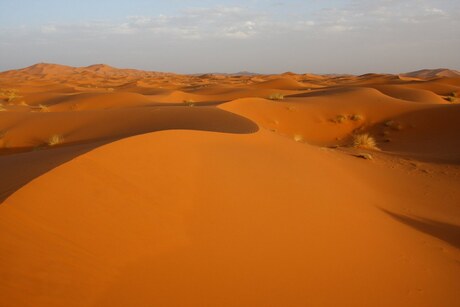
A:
9	94
356	117
43	108
298	138
189	102
55	139
364	141
2	108
276	96
451	99
340	119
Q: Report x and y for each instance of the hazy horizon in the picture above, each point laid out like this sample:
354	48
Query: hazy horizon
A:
260	36
232	72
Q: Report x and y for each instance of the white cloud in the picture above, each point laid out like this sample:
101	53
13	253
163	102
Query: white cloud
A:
48	29
241	23
428	28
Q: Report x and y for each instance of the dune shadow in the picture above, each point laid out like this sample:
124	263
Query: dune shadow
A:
321	92
448	233
20	167
195	103
440	143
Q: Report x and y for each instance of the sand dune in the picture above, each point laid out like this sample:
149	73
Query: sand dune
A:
204	190
433	73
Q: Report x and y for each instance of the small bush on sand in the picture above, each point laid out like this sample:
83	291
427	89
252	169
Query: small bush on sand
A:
55	140
9	94
298	138
356	117
340	119
451	99
276	96
189	102
43	108
364	141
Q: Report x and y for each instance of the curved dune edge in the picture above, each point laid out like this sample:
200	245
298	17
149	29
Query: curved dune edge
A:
187	218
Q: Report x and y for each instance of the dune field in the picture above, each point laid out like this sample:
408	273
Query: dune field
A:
121	187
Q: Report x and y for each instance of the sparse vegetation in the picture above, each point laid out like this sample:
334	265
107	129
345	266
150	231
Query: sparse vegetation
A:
9	94
356	117
276	96
55	140
340	119
43	108
189	102
364	141
451	99
298	138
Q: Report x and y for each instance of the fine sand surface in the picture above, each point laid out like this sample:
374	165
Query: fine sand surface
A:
121	187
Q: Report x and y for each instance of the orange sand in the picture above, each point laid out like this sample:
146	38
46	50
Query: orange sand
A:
174	190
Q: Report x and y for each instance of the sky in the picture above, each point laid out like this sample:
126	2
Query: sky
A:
264	36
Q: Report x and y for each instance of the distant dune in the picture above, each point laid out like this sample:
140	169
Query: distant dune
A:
433	73
123	187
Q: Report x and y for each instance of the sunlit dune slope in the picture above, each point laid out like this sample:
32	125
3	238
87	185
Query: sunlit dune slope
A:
222	219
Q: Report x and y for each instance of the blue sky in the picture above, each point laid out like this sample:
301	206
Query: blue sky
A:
189	36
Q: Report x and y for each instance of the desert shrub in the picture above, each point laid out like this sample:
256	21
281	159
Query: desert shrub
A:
356	117
364	141
451	99
189	102
43	108
340	119
55	139
276	96
9	94
298	138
